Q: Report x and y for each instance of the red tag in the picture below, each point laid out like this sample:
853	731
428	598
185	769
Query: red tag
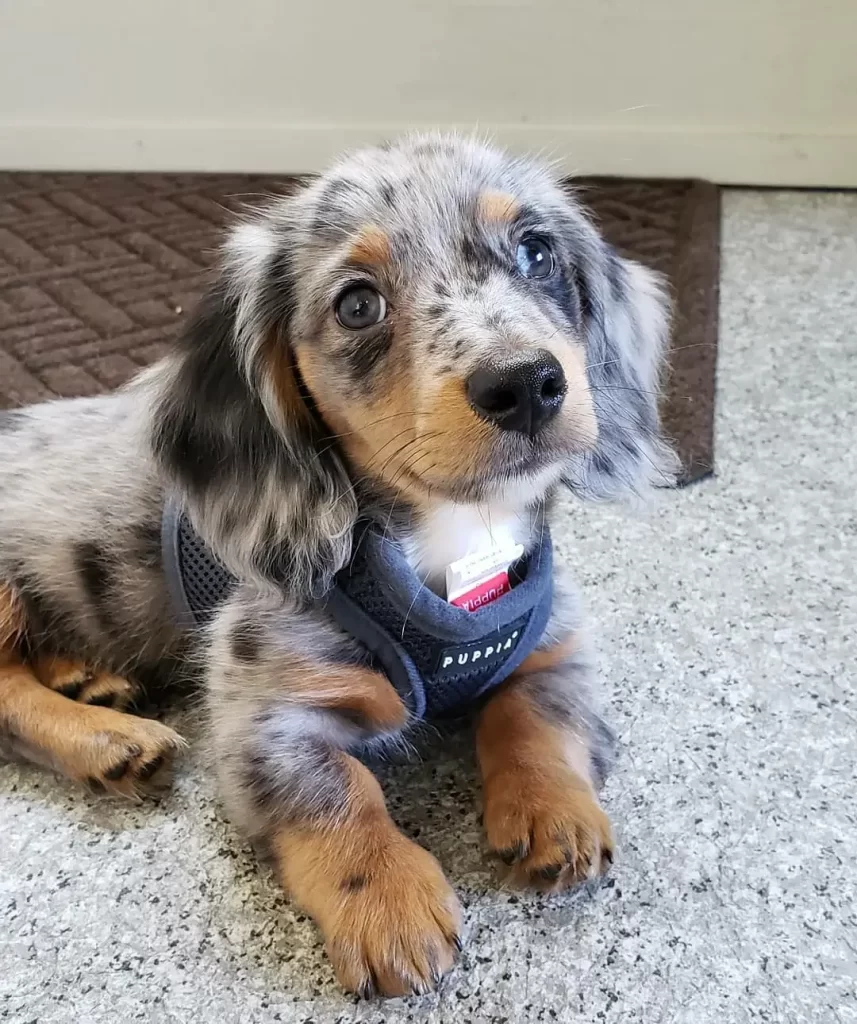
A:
483	593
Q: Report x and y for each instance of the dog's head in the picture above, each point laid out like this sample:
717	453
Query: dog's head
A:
435	317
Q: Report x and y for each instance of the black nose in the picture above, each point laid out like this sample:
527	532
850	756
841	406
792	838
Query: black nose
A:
520	396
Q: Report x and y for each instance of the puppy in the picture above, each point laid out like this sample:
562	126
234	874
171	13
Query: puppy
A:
425	343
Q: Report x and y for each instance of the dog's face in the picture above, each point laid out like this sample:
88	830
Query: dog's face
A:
440	300
438	323
438	317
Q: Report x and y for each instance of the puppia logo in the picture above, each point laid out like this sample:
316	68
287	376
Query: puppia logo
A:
475	655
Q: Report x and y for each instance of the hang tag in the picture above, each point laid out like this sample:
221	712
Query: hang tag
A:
478	579
483	593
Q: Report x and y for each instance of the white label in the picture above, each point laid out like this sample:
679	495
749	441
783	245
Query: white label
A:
465	573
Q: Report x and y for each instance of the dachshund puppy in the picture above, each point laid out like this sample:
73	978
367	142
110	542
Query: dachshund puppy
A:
422	345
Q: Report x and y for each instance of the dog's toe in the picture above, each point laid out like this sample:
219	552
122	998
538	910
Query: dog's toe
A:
80	682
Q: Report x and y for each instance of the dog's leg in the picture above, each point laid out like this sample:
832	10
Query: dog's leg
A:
389	918
388	915
95	745
81	682
542	753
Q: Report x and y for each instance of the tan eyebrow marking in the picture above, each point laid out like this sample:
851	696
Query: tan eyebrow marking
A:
495	205
372	245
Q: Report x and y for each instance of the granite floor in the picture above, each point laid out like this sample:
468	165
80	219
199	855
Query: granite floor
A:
726	616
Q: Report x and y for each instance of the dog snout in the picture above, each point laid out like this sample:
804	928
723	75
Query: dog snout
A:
522	396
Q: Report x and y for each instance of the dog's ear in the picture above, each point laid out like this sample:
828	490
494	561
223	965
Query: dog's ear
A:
237	436
625	315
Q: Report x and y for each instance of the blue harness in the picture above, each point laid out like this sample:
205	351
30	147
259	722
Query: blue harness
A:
440	658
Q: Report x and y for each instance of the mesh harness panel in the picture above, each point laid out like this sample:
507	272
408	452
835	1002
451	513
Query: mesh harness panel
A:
438	657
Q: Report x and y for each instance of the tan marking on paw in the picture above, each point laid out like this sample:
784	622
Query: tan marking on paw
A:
554	835
78	681
98	746
540	809
389	917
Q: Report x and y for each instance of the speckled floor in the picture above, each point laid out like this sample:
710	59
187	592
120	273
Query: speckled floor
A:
726	618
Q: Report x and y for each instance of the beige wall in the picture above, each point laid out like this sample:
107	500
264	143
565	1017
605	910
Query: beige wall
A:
757	91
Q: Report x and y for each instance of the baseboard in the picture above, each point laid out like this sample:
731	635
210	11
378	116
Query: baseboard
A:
727	156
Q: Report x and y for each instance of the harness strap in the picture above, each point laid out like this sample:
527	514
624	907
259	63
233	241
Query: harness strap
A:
439	658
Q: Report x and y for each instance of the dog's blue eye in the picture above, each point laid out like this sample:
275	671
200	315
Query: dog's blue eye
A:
360	307
534	258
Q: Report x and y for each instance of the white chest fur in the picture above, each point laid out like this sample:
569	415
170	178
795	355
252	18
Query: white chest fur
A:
451	531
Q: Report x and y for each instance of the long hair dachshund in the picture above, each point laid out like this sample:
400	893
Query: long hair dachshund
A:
428	341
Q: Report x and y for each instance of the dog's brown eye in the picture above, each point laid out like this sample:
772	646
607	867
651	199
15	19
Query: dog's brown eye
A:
534	257
360	307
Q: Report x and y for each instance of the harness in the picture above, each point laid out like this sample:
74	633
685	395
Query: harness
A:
440	658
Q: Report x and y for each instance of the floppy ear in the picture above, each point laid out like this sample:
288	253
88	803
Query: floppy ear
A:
238	438
625	315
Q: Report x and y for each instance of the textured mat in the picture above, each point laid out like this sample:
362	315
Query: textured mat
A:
96	271
674	227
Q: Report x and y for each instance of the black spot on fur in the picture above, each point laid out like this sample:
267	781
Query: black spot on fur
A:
174	675
441	290
245	642
609	367
354	883
447	328
436	311
50	625
588	306
617	350
603	751
102	700
355	718
388	194
213	435
294	780
554	701
550	873
71	690
117	771
563	292
211	422
477	257
277	302
511	855
97	573
556	698
150	768
327	221
365	352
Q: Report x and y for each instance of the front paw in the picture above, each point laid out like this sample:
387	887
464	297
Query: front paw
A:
116	753
396	932
389	917
548	825
82	683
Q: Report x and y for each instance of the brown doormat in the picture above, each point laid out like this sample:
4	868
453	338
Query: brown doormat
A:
96	271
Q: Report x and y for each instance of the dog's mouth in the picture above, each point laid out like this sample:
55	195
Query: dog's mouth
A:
528	473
